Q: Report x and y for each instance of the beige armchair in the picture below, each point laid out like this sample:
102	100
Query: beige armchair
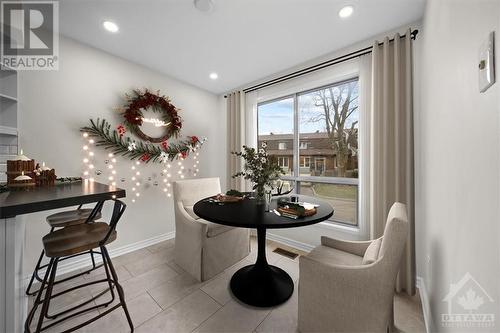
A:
202	248
349	286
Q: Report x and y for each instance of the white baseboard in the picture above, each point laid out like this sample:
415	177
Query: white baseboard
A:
424	298
85	261
290	242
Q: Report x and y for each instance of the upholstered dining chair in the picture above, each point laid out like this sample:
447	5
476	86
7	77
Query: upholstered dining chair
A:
202	248
349	286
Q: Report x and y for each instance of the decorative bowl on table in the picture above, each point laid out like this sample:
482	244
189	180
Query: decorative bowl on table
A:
226	198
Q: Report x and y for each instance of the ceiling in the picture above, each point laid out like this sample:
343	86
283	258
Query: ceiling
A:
241	40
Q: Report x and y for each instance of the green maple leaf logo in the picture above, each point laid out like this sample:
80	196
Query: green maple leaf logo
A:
470	301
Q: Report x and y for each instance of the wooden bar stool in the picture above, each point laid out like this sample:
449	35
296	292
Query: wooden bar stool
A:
61	220
71	241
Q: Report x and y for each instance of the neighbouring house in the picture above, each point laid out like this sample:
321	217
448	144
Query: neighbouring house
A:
317	157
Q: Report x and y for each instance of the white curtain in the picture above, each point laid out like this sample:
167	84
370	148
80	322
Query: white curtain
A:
235	102
391	144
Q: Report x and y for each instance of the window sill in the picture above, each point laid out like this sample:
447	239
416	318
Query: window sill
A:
340	227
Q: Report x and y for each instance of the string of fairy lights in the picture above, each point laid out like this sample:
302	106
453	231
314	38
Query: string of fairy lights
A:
137	182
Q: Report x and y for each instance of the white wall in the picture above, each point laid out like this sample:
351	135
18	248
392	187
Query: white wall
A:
457	155
89	84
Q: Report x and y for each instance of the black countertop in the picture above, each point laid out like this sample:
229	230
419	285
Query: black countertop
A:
51	197
249	214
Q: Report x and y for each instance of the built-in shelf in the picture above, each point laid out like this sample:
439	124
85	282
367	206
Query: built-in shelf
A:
6	130
7	97
9	140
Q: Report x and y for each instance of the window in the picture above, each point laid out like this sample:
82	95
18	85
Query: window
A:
305	162
283	162
275	121
319	128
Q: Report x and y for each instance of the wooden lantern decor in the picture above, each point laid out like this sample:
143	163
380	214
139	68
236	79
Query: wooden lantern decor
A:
44	176
22	173
23	181
20	166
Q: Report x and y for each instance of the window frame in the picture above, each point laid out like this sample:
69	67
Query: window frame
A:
295	177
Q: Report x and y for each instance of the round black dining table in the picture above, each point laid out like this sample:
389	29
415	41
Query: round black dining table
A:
260	284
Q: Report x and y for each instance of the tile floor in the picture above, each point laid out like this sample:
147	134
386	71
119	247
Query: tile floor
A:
163	298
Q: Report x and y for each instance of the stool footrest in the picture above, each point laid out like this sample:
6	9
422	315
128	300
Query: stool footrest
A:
79	313
39	279
53	316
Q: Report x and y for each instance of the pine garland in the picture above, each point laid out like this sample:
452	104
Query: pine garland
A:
147	152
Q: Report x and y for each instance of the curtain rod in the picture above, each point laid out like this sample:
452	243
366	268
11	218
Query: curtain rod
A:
313	68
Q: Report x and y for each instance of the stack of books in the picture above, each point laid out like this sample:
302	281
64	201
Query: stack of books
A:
295	210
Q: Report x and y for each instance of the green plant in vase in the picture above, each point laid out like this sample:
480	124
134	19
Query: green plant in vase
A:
260	168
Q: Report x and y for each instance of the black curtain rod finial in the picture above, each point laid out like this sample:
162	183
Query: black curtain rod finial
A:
414	34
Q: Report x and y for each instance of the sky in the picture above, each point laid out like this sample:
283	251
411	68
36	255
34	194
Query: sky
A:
277	117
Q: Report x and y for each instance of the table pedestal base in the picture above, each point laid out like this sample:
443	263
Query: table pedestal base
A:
262	285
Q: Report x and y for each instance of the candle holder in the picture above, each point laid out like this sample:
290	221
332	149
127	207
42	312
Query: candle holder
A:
21	165
22	182
44	176
22	173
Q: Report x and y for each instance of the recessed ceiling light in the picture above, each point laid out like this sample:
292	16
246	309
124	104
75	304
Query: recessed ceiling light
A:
346	11
214	76
110	26
203	5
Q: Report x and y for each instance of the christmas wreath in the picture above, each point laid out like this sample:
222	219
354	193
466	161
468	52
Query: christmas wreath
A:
119	144
139	101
